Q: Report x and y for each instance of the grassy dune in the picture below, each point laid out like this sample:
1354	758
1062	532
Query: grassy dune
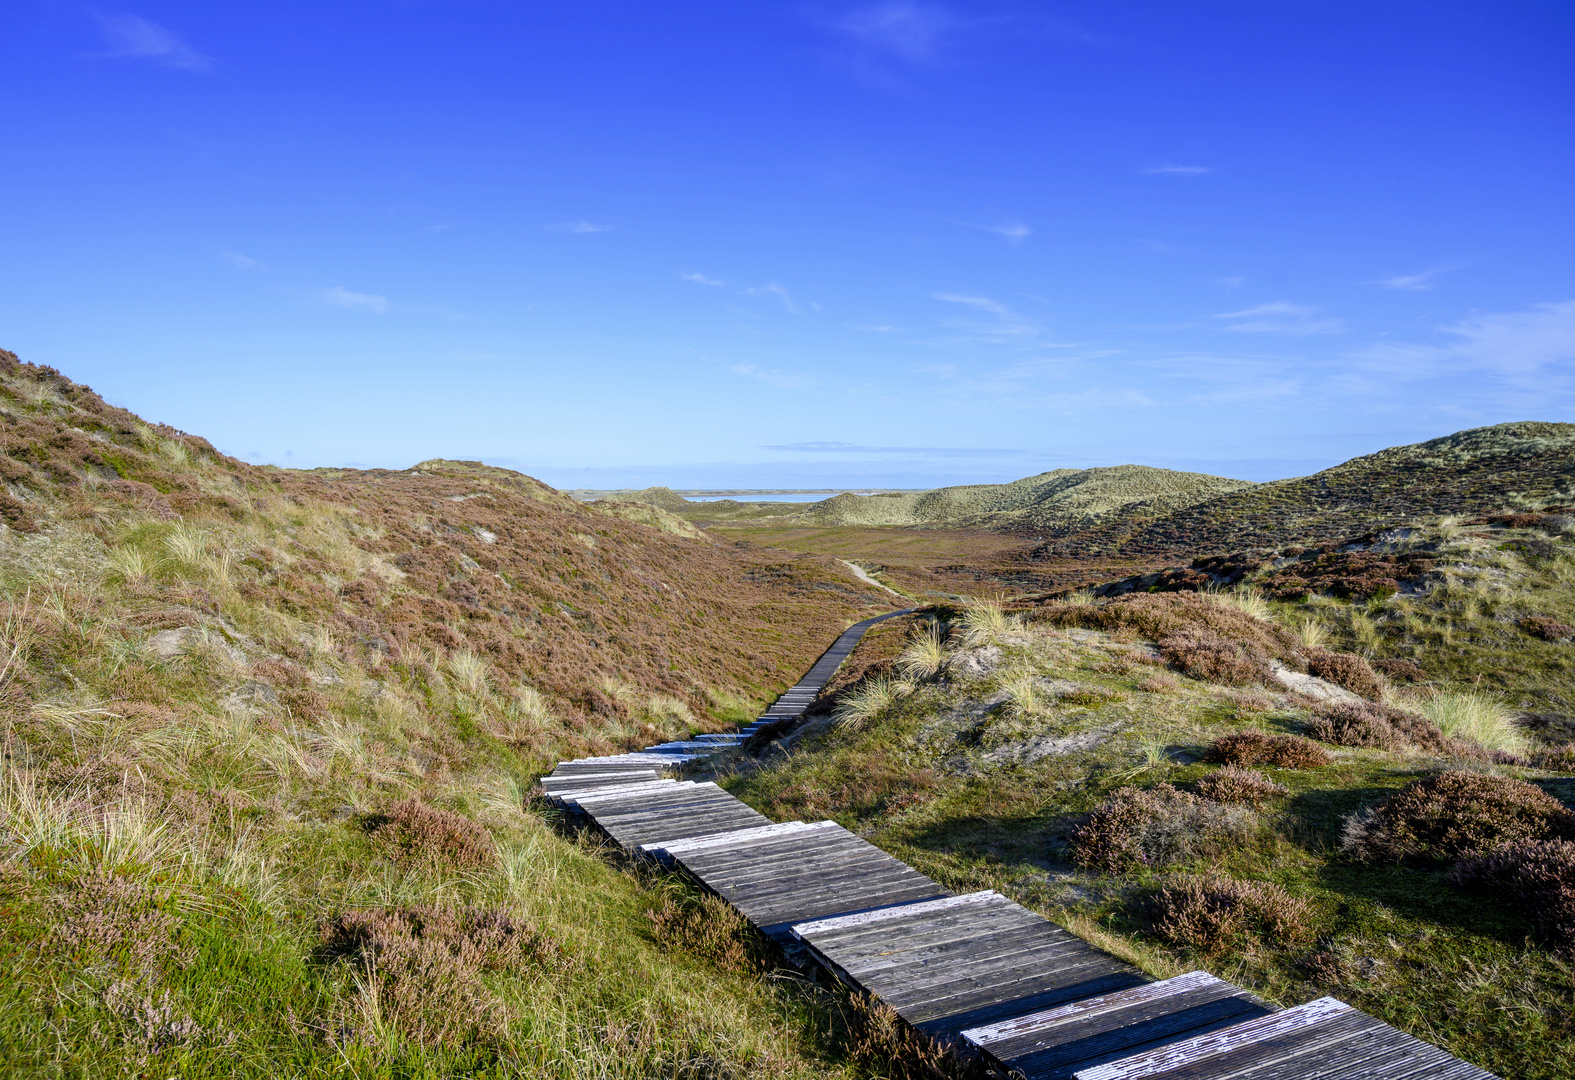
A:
268	743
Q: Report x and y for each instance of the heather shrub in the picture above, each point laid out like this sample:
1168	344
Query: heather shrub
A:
1455	814
1158	684
1409	670
1540	626
1207	655
1344	669
1158	826
1538	875
410	831
712	929
422	970
1154	616
1234	784
1213	913
1558	759
1374	726
1280	751
105	917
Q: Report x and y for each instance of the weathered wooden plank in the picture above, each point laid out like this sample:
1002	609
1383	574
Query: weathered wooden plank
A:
830	929
1273	1029
750	837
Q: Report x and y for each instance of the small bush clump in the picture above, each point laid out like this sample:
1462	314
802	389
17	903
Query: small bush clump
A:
1539	875
1455	814
1280	751
1540	626
1557	759
1233	784
1409	670
423	969
1159	826
1374	726
1344	669
108	918
411	831
1212	657
1213	913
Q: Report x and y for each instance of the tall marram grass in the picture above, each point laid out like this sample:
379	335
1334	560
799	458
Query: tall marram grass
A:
925	656
1475	717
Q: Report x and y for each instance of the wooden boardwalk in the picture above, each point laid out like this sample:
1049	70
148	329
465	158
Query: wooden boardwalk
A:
977	972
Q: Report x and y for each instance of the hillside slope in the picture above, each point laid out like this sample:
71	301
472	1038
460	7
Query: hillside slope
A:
268	740
1057	502
1469	472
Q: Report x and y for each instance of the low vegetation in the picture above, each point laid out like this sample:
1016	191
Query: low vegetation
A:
1190	779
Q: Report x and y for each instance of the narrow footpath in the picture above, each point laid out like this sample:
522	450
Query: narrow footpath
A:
976	972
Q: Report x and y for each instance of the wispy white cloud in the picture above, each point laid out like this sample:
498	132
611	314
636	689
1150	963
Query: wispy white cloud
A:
339	296
779	292
1413	282
1531	348
924	451
1015	232
782	380
701	279
995	321
135	38
1178	170
910	32
241	262
1281	317
579	227
444	227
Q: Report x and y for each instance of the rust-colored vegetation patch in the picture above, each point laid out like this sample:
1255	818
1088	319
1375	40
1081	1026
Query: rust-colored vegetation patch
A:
712	930
1213	913
1234	784
1375	726
1157	827
1537	874
1356	575
1258	748
1456	814
423	970
411	831
1344	669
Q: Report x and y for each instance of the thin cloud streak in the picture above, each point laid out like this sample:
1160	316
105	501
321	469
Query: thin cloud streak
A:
132	37
1178	170
782	380
339	296
779	292
927	451
1281	317
701	279
1413	282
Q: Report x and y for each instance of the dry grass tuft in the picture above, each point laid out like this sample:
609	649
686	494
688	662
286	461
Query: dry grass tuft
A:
1157	827
1475	717
410	831
984	620
1455	814
867	702
1213	913
1280	751
925	656
1234	784
1245	599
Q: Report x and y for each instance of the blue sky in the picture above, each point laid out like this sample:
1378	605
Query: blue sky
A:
802	244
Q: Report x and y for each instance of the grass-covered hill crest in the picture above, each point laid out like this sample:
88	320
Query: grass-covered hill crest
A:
1477	471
